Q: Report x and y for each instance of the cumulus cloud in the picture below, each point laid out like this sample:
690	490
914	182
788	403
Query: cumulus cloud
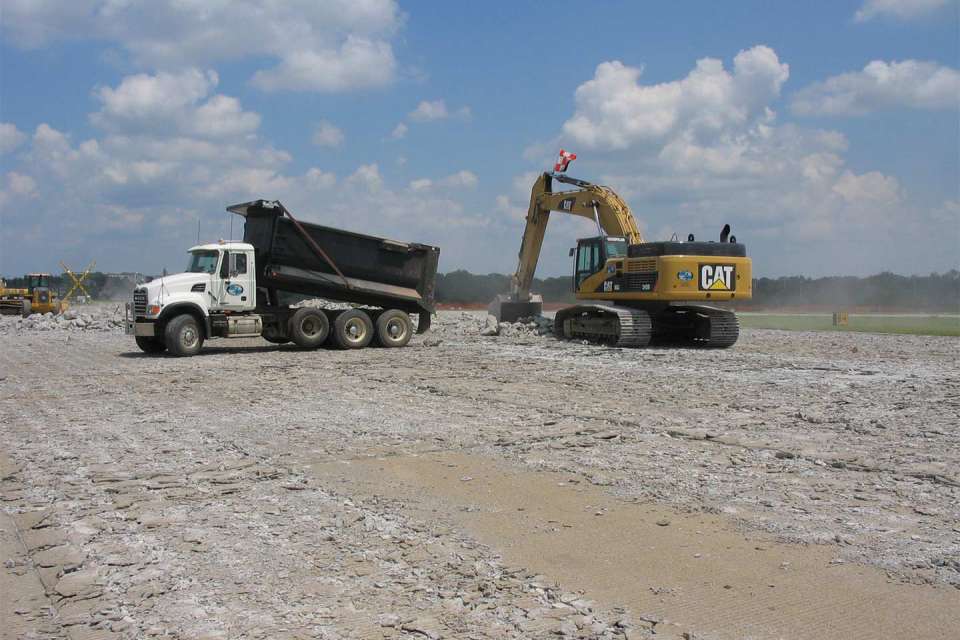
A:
615	111
10	137
172	102
336	45
326	134
708	148
882	85
461	180
897	9
429	110
399	132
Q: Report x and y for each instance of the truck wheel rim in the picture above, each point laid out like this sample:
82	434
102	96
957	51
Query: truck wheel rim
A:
396	329
310	326
355	330
188	338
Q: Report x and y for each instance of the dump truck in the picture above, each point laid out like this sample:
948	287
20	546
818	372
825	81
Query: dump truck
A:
235	289
634	293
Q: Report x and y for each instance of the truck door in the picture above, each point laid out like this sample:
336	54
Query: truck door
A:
237	290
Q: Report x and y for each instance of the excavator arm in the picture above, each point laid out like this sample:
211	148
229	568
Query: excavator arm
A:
600	204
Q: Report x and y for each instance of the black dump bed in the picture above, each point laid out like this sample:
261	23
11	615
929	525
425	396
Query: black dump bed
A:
310	259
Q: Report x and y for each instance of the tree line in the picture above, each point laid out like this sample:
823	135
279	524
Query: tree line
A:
934	292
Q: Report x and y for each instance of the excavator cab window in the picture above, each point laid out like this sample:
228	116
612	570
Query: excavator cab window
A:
38	281
590	255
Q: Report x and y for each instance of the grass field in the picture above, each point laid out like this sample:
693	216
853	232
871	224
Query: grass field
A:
928	325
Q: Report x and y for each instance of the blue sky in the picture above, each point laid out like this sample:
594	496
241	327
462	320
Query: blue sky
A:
825	133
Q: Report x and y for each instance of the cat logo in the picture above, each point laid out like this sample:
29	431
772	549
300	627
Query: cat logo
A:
567	204
718	277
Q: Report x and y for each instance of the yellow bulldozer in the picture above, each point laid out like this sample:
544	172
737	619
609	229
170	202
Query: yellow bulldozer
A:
640	292
37	297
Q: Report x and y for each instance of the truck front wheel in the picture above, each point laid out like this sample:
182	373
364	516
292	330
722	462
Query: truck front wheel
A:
309	328
394	328
353	329
183	336
149	344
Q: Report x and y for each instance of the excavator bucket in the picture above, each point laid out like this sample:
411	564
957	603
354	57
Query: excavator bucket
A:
506	310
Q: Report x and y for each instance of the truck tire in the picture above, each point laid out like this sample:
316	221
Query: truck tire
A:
309	328
353	329
150	344
183	336
394	328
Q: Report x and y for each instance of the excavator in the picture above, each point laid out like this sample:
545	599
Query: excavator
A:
636	293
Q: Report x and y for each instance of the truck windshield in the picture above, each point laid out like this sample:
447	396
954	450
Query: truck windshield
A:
203	262
616	248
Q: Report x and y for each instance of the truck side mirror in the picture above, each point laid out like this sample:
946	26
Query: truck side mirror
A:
232	261
572	251
225	265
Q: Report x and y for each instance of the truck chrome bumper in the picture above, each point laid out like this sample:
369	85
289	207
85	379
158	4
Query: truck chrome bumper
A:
145	329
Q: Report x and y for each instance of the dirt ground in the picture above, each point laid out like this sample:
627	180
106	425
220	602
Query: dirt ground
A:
797	485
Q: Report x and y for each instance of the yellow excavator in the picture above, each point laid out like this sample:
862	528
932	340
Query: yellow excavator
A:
36	297
643	290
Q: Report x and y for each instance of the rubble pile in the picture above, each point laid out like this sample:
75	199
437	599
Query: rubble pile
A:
92	318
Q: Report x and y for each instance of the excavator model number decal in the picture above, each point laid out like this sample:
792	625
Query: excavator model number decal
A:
717	277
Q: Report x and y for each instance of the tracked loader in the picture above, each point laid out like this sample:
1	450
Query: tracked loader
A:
36	297
635	293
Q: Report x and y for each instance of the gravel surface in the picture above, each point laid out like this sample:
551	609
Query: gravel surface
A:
165	497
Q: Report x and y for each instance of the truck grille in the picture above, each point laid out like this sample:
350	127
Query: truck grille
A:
640	281
641	265
139	302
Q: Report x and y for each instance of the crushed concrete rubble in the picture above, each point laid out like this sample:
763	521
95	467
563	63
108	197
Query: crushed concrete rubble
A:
190	513
92	317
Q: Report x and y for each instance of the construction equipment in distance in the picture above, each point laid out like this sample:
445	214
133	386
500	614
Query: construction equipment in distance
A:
37	297
644	289
77	280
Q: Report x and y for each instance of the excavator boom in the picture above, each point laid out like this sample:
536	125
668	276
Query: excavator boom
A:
594	202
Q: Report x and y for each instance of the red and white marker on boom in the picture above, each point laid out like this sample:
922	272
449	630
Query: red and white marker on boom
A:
563	161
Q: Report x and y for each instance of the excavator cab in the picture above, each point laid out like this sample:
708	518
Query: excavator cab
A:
592	255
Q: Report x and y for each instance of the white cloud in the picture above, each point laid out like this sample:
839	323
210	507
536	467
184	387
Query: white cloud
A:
359	63
461	180
708	148
10	137
172	102
911	83
421	184
399	132
615	111
335	45
325	134
429	110
366	177
897	9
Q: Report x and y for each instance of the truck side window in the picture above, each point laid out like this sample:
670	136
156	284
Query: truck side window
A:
241	263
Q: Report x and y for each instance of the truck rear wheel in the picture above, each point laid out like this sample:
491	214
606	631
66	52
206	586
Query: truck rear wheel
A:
353	329
309	328
183	336
150	344
394	328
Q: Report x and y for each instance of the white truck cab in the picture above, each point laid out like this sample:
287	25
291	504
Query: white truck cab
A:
220	282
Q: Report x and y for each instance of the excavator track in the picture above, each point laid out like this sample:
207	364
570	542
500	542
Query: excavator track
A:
602	324
696	326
